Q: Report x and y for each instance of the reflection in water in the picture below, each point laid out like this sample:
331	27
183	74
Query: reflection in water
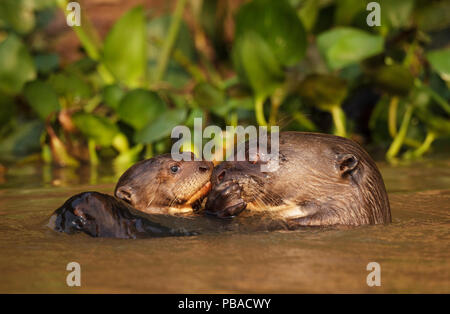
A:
413	251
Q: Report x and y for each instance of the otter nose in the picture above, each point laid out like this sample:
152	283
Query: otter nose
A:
124	193
204	168
221	175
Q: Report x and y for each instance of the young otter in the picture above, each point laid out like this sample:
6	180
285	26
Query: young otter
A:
321	180
101	215
163	185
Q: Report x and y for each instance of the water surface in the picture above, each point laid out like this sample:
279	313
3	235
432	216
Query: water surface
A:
413	251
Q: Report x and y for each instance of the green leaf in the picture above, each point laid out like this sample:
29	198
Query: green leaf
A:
278	24
397	13
257	64
112	95
394	79
323	91
18	14
432	17
124	52
71	86
42	98
16	65
343	46
161	127
440	61
46	63
346	10
139	107
95	127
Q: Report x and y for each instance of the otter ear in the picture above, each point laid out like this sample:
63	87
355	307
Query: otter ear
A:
346	164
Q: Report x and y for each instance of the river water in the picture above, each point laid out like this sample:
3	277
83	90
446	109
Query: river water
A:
413	252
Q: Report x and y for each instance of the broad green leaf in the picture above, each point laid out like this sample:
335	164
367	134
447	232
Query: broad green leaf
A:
139	107
257	64
346	10
46	63
16	65
95	127
124	52
394	79
323	91
112	95
71	86
161	127
18	14
440	61
433	16
42	98
277	23
397	13
343	46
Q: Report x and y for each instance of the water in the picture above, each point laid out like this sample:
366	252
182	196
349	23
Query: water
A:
413	251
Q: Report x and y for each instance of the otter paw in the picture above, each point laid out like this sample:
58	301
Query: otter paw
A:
225	201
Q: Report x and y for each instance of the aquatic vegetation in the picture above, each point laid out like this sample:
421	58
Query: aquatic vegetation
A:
302	64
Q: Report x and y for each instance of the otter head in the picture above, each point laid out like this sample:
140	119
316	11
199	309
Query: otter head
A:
96	214
164	185
321	180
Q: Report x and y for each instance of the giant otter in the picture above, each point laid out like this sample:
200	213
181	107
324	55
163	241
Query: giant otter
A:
163	185
321	180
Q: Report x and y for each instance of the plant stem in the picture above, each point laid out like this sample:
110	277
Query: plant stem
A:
234	118
392	116
259	110
148	151
179	57
92	152
276	100
437	98
304	121
392	123
397	143
338	120
170	40
431	136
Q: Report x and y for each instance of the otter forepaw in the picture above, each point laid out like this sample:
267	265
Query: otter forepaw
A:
225	201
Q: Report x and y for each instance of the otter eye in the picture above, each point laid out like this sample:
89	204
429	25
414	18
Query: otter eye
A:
174	169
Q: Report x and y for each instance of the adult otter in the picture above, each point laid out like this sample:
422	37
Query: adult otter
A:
163	185
321	180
